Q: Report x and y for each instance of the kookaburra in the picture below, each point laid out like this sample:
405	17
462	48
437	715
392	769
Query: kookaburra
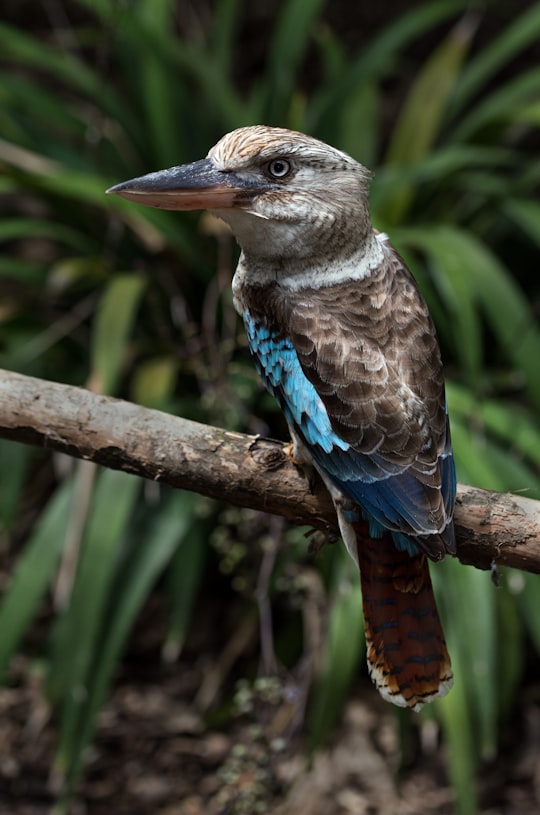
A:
343	339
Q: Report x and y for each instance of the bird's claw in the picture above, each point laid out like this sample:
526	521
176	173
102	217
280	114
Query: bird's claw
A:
290	451
319	538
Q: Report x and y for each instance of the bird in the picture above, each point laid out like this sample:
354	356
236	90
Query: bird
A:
342	338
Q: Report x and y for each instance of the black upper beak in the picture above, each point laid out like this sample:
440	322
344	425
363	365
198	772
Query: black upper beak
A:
199	185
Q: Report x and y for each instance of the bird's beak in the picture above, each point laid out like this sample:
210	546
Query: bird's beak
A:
199	185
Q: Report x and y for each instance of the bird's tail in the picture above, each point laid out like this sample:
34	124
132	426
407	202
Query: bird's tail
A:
406	649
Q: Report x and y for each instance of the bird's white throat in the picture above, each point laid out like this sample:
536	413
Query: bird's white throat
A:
356	266
312	272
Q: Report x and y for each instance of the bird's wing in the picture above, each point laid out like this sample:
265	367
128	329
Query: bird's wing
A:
358	374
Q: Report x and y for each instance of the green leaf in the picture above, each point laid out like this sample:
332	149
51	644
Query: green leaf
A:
375	61
513	40
76	638
510	423
343	648
511	660
158	89
359	125
184	575
509	314
469	453
31	228
15	460
224	31
33	574
422	114
76	631
499	106
473	645
22	270
529	114
154	381
169	531
18	96
525	588
468	273
66	68
290	39
435	169
461	762
112	327
525	214
453	271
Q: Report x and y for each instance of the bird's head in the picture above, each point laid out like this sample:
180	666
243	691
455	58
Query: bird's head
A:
284	194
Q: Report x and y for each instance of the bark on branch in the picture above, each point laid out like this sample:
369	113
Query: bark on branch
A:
247	471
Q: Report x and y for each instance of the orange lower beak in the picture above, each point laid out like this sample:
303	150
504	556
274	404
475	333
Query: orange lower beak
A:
190	186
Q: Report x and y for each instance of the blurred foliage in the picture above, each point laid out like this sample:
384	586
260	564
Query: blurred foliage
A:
136	303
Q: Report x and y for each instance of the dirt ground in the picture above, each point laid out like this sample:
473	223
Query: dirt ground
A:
154	755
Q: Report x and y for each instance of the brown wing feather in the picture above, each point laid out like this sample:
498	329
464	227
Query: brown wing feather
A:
369	348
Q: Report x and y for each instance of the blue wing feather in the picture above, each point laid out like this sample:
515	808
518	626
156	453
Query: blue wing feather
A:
391	496
281	372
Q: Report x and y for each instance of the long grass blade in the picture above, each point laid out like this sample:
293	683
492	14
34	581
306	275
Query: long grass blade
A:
525	588
289	42
183	579
421	117
68	69
498	108
77	635
12	229
15	460
510	631
158	86
513	39
112	327
455	717
375	61
474	647
344	645
437	168
34	574
503	421
525	214
453	270
169	531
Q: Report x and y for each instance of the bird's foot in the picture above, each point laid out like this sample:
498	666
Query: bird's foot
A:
319	538
292	454
295	454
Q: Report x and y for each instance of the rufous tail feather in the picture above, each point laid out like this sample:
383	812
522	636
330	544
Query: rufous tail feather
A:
406	649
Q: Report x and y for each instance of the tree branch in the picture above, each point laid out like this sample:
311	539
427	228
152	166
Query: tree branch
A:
247	471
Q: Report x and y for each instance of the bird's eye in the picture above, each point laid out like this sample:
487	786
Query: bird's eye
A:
279	168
